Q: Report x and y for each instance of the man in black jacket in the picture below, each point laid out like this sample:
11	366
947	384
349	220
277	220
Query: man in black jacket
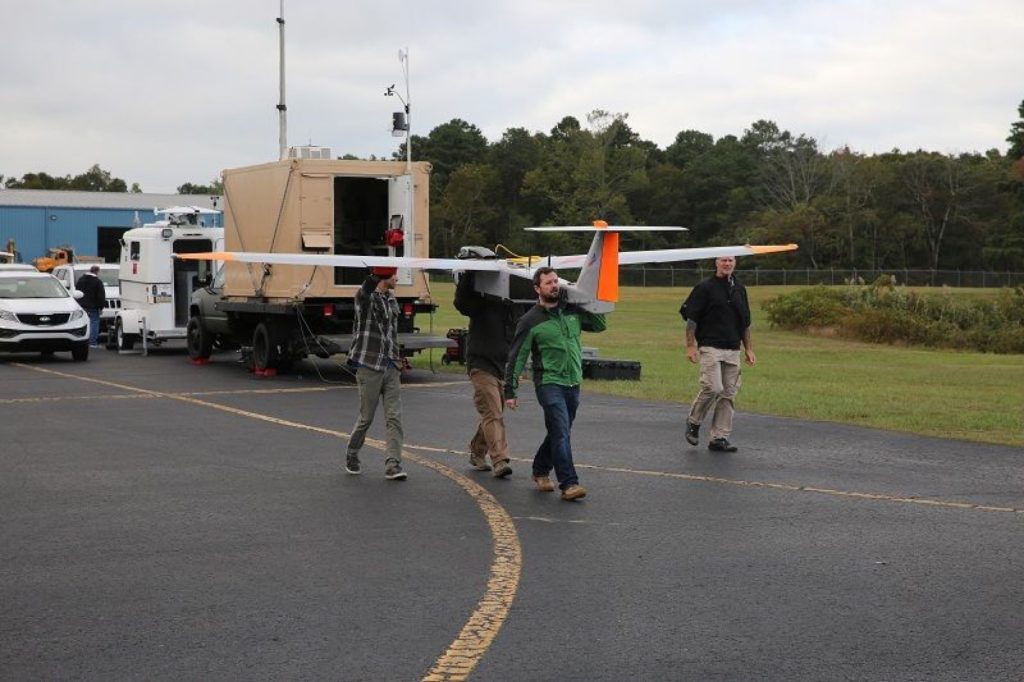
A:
94	297
717	316
492	324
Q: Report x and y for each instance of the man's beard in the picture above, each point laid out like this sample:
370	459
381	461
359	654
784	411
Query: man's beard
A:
552	297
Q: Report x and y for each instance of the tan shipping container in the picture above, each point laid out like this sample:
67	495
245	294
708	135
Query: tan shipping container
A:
323	206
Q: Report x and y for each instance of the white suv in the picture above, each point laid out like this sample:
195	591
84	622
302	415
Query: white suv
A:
38	314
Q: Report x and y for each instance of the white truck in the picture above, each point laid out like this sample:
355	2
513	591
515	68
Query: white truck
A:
156	286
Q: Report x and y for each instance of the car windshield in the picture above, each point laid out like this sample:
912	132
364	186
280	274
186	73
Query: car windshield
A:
107	275
31	287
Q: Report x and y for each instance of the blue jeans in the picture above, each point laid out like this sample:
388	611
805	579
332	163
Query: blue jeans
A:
94	327
559	404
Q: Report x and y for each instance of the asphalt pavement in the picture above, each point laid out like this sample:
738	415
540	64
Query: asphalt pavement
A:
165	521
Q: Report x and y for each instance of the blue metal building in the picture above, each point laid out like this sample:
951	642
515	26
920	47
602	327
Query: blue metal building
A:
90	222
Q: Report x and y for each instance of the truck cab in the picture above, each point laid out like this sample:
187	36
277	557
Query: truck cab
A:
156	286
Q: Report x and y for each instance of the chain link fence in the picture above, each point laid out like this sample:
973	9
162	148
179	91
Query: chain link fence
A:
664	276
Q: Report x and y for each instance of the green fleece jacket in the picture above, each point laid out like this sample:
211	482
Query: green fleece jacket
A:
551	336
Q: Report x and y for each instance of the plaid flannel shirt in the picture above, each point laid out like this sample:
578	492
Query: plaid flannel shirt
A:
375	333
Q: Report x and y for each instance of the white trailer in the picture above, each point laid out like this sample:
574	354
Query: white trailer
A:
156	286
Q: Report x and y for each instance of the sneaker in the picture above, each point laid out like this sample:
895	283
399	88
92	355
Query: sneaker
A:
352	466
544	484
692	433
394	473
574	492
479	462
721	445
502	469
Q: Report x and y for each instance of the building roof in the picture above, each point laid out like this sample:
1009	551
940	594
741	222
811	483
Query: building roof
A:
142	201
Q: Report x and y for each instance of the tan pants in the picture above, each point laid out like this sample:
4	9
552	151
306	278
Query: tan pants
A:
719	383
489	402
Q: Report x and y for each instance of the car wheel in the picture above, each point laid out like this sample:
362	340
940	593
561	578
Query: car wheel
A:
124	341
199	344
266	353
80	352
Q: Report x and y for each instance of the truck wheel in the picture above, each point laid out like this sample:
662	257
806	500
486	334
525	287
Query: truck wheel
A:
124	341
199	344
80	352
265	352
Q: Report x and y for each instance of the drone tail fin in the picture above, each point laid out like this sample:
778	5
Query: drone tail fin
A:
599	276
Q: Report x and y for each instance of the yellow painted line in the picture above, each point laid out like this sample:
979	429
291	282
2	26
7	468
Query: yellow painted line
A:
178	394
788	487
479	632
68	398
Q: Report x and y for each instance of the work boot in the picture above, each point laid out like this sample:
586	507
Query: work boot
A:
502	469
544	484
721	445
479	462
574	492
692	433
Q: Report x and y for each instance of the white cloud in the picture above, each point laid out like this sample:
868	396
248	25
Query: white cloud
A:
164	93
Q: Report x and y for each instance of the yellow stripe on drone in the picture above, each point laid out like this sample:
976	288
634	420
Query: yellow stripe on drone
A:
210	255
773	248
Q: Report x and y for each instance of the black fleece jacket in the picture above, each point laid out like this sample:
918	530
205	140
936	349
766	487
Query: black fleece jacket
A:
719	308
492	325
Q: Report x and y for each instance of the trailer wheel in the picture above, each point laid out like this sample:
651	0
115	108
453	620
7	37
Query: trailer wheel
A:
199	344
124	341
265	351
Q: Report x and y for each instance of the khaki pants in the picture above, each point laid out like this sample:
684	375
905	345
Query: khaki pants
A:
489	402
719	383
374	387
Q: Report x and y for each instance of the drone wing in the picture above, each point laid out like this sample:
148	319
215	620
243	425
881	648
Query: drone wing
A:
673	255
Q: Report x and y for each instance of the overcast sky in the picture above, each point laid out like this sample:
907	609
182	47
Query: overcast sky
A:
161	93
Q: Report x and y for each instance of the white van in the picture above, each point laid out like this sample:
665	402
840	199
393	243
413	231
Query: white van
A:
156	286
37	314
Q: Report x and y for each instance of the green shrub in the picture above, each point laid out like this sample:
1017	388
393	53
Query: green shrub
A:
883	312
818	306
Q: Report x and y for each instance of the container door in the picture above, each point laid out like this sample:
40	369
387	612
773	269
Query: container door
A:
400	210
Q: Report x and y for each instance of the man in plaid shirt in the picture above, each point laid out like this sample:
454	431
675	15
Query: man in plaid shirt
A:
378	363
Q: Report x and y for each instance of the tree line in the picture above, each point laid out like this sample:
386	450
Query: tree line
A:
846	209
98	180
906	210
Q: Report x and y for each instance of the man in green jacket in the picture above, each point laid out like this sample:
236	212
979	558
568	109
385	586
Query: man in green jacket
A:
550	334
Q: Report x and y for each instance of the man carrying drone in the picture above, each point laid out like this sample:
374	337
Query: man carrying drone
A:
550	333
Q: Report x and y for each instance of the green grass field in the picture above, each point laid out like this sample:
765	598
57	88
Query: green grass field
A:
948	394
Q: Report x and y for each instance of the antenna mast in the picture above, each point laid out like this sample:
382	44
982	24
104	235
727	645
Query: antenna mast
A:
282	108
403	56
